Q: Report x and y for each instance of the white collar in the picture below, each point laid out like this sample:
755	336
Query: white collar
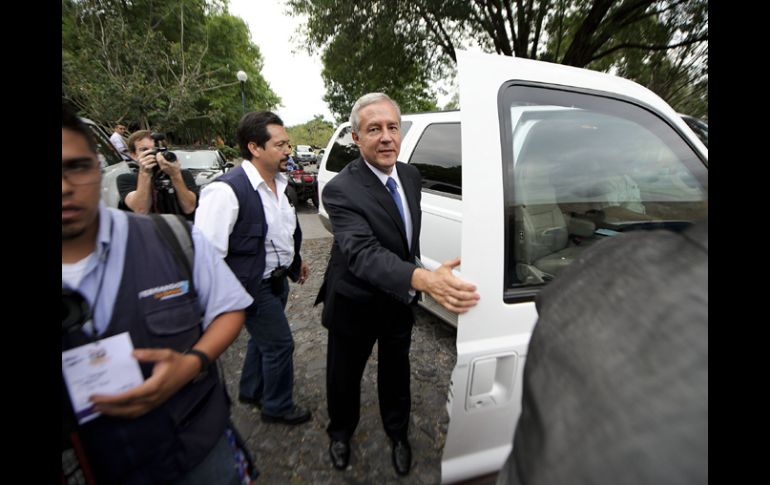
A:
384	177
255	178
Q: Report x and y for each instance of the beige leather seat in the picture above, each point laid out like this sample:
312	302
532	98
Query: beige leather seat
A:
542	243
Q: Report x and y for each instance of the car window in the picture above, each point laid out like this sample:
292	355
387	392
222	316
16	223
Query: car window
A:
198	159
580	168
438	157
345	150
107	153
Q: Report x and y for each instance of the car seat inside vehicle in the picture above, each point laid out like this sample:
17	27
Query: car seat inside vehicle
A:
546	239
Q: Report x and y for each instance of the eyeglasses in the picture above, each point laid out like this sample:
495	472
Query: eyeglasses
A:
81	171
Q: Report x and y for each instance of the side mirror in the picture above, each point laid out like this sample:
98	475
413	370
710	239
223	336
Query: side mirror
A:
228	166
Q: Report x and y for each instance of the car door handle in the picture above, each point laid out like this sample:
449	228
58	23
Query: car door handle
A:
492	381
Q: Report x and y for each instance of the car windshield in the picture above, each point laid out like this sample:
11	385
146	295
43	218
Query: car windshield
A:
303	148
198	159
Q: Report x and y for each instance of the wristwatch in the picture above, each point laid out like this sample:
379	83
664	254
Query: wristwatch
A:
205	363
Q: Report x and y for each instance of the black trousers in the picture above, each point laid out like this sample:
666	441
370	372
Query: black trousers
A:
346	359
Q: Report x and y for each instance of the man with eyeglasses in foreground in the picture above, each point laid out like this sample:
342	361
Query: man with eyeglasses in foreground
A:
175	425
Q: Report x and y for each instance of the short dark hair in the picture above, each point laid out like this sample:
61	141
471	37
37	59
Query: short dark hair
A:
135	137
253	128
72	122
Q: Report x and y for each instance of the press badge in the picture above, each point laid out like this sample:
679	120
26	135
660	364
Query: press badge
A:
102	367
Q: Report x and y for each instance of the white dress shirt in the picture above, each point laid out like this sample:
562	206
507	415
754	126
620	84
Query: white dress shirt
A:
218	211
117	141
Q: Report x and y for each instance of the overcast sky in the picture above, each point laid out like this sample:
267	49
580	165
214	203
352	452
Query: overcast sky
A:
295	77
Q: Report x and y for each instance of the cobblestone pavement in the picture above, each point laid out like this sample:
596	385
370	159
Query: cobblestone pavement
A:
299	454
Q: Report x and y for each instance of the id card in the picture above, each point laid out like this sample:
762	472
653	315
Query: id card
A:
102	367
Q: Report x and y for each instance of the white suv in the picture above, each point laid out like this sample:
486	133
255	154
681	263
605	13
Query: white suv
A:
304	154
541	161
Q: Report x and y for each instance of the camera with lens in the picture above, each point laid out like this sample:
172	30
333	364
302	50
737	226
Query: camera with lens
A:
168	155
276	279
161	180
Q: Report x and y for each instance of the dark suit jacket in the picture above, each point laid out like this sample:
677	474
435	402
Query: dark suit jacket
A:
370	270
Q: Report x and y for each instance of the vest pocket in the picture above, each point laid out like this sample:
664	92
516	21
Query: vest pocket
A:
246	238
175	324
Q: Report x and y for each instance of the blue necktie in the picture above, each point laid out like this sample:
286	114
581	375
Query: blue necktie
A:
391	185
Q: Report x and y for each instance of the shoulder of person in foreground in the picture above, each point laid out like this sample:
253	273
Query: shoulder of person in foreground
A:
626	330
219	290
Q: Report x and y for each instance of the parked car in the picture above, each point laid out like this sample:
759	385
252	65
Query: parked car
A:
303	186
540	162
304	155
112	163
205	164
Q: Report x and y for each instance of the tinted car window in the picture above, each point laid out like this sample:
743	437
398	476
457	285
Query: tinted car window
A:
438	157
345	150
104	147
580	168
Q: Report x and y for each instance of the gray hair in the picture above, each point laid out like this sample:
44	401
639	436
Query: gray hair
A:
365	101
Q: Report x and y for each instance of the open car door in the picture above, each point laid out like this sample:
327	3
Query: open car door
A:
555	159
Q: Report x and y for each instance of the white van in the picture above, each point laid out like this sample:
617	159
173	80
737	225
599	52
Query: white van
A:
540	162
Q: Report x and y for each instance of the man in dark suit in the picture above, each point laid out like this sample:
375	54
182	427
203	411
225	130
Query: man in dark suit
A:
372	277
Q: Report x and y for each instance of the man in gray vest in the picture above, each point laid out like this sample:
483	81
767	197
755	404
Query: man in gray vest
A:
249	220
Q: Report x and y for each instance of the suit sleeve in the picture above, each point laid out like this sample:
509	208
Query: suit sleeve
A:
366	258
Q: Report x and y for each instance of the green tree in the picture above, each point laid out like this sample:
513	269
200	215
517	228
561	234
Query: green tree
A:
166	65
366	51
220	106
315	132
635	37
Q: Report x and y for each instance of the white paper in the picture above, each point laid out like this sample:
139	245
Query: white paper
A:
102	367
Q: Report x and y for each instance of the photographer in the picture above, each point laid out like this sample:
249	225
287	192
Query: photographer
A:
160	185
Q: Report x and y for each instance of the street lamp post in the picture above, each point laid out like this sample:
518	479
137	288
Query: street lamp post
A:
242	77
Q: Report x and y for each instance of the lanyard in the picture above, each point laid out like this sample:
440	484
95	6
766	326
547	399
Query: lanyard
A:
103	263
